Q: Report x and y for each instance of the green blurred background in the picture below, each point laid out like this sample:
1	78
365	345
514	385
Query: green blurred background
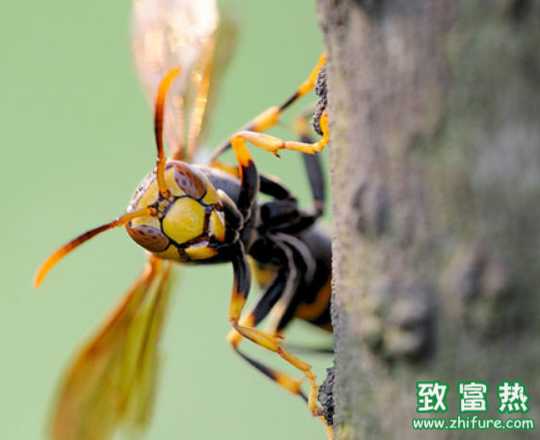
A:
77	138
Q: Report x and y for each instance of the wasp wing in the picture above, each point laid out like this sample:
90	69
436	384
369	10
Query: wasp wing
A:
185	33
111	382
214	69
169	33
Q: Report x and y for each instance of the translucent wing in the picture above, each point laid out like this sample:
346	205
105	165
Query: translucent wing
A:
111	382
225	44
168	33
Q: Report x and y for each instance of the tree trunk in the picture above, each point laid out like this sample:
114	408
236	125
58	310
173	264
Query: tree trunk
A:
435	161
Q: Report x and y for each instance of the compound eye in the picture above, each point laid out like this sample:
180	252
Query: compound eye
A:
149	237
188	180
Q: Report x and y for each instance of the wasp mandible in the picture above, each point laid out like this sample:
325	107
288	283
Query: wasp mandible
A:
199	214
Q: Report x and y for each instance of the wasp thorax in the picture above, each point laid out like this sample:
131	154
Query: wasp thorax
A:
187	222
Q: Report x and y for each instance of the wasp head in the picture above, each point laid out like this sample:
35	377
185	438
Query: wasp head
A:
175	213
184	220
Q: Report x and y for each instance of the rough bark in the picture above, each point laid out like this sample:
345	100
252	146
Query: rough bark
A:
435	161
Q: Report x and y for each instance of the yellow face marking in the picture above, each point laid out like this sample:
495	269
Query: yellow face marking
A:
200	252
184	221
147	197
171	253
211	197
217	225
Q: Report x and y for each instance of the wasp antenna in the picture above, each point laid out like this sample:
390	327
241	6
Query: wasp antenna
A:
61	252
164	87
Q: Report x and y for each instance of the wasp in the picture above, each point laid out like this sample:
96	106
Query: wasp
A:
209	213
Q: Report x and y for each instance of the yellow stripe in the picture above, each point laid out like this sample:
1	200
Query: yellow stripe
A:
312	311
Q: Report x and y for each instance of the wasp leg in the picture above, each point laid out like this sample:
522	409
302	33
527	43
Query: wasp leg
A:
274	188
249	179
270	117
284	311
313	166
260	311
274	144
242	282
283	213
271	186
270	342
268	185
287	308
